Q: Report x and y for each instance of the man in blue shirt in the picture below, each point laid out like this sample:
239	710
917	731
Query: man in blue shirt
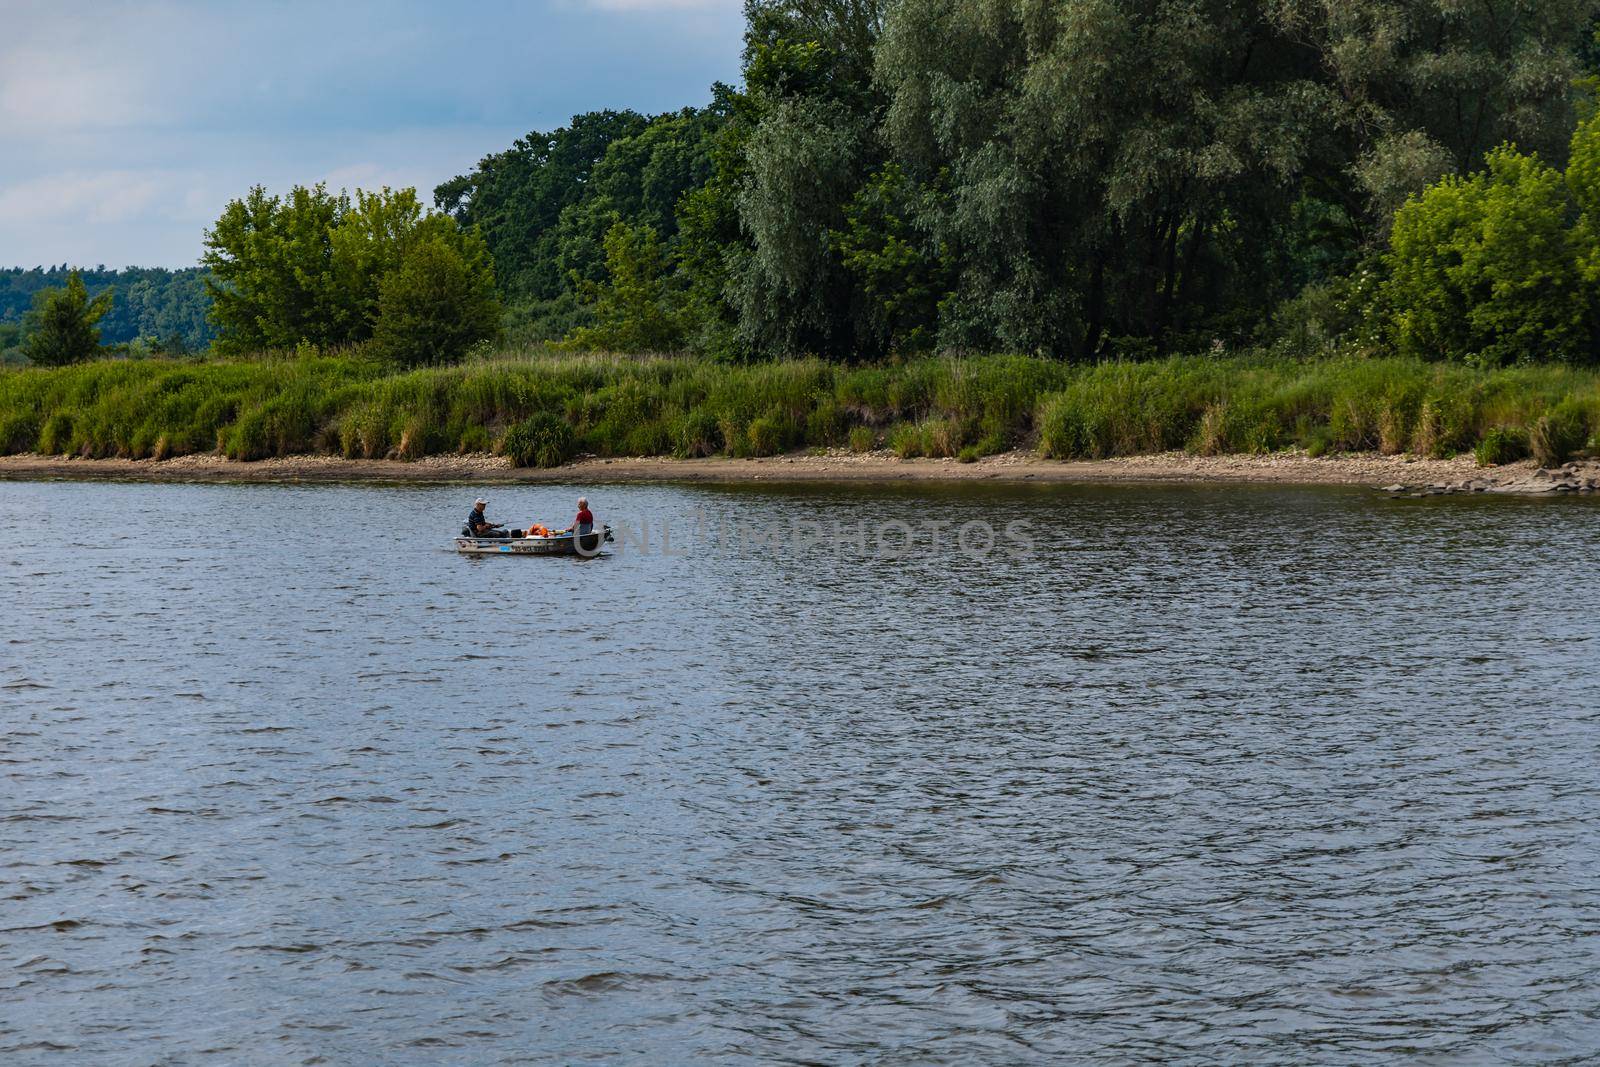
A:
479	526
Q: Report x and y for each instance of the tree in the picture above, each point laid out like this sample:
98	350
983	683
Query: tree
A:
516	197
438	303
632	307
61	328
310	266
1485	269
901	270
1140	167
640	180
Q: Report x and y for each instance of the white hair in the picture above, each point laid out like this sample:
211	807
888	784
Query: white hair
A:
583	501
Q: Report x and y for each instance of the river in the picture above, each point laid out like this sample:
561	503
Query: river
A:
1181	774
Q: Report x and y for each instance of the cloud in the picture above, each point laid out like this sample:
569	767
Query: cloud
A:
100	197
189	103
42	91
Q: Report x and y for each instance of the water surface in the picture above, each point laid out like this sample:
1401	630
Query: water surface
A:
1300	775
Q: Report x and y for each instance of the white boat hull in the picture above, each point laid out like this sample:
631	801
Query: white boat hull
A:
553	545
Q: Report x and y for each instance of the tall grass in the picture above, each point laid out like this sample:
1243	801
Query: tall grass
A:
621	406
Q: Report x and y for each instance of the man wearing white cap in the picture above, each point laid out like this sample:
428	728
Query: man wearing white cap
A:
479	526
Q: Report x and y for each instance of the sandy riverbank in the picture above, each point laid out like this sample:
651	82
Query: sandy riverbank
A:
1287	468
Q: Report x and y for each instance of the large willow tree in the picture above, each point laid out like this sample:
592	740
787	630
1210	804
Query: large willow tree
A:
1133	167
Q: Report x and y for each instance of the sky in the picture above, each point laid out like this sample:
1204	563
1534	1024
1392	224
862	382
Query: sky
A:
126	127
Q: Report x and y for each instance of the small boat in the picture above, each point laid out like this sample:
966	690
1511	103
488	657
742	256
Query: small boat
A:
556	544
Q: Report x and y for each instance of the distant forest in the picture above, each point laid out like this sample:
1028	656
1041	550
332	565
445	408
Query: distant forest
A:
164	309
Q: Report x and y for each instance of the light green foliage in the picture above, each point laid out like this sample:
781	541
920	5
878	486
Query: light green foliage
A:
61	327
633	405
311	266
272	265
1485	268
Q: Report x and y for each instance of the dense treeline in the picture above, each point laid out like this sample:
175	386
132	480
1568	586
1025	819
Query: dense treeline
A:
1083	180
152	308
1072	179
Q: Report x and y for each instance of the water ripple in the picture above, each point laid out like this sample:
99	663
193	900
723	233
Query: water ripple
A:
1285	775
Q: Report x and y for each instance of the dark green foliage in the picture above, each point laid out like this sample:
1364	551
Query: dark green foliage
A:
902	272
516	197
699	435
62	328
544	440
1080	180
633	309
639	180
150	307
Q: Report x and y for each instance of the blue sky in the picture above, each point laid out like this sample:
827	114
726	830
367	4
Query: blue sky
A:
125	127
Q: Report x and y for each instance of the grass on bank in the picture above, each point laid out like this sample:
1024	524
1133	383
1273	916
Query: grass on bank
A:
545	409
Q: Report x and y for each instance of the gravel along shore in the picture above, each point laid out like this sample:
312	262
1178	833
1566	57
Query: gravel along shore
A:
1408	475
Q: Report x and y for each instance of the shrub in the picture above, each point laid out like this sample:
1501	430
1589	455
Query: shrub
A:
56	437
1503	444
19	430
905	440
1241	424
765	436
942	438
1319	442
1554	437
1444	426
863	439
61	326
699	434
474	439
544	440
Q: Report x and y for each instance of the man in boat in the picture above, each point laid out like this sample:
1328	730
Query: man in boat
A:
584	523
479	526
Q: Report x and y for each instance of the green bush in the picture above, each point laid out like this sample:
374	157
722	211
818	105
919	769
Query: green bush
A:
765	436
863	439
56	437
905	440
19	432
699	434
1444	427
438	303
1503	444
544	440
1554	437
